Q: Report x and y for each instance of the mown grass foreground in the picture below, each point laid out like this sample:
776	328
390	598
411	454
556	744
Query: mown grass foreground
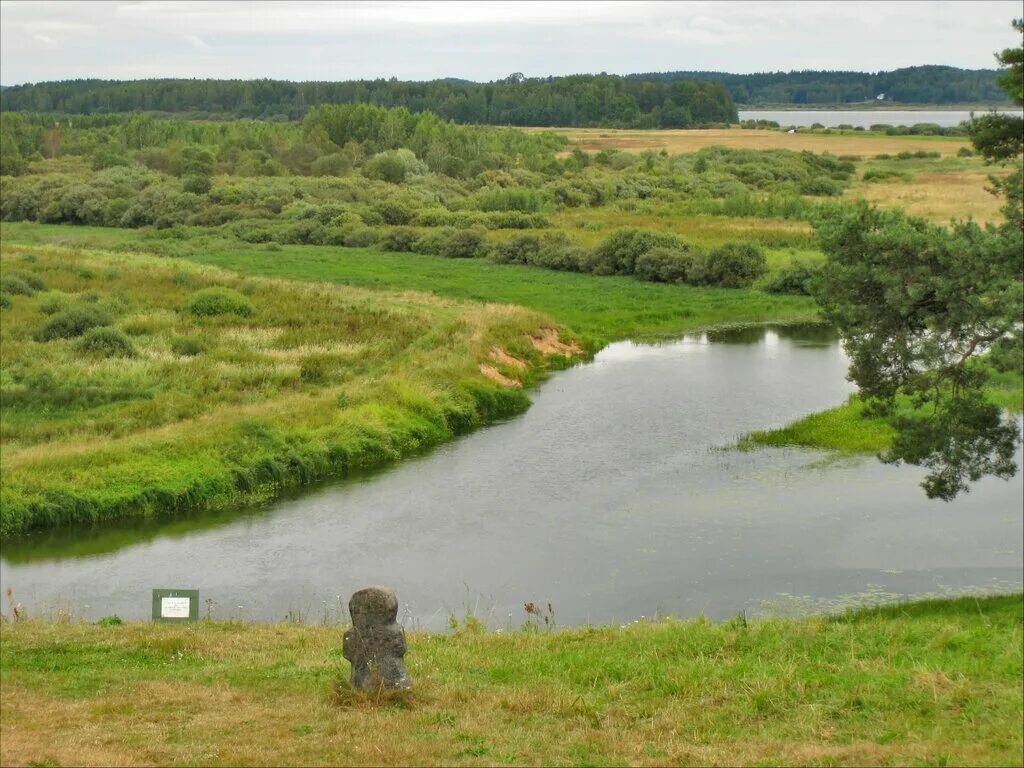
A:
134	385
931	683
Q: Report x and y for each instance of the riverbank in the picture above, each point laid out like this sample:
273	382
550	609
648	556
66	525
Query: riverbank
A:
846	429
936	682
137	386
179	410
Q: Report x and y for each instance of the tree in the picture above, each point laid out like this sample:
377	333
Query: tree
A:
927	312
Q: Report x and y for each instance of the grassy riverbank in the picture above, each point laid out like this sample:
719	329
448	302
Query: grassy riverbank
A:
135	385
930	683
845	429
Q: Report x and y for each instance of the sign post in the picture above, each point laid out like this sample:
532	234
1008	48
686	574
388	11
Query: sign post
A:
175	604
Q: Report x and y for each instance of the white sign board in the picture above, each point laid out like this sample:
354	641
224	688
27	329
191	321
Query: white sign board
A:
175	607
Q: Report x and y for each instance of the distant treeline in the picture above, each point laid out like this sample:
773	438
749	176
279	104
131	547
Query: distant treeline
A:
578	100
911	85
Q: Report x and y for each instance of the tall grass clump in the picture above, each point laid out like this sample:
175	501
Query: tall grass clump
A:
219	301
106	341
73	322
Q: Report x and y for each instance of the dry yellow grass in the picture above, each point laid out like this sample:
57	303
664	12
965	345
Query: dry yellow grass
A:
939	195
681	141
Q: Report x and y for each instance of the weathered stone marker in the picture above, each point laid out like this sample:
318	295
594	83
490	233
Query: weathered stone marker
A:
375	644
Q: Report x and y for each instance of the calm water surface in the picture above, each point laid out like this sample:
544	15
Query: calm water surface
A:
865	117
610	498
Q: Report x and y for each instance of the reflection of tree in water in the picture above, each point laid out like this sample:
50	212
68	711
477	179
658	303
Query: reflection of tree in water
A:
818	334
802	334
750	334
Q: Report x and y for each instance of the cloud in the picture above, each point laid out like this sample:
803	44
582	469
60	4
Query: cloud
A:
482	41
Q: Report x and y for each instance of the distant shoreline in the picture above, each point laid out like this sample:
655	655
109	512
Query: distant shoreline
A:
885	106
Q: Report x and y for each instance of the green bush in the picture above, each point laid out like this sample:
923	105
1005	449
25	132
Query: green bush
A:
360	237
454	243
734	265
33	281
219	301
617	253
187	346
521	249
682	264
14	285
965	152
400	239
106	341
73	322
5	301
197	184
794	278
820	187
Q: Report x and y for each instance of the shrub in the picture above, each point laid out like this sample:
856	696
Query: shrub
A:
197	184
965	152
794	278
464	244
521	249
399	239
820	187
73	322
682	264
617	253
453	243
393	213
360	237
106	341
5	301
187	346
331	165
735	265
31	280
219	301
14	285
393	166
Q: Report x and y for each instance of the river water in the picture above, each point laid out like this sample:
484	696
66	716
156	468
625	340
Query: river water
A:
611	499
831	118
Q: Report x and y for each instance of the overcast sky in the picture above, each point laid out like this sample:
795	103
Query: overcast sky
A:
487	40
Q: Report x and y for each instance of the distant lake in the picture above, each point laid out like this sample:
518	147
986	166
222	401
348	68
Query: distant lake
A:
830	118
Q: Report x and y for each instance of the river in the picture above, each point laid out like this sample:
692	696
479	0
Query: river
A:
865	118
611	499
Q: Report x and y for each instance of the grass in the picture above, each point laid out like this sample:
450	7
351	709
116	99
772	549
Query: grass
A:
929	683
681	141
600	309
845	429
226	406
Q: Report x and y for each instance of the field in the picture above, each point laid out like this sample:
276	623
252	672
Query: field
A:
138	386
597	309
931	683
684	141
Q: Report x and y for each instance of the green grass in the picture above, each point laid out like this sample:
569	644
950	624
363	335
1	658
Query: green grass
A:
846	430
600	309
291	383
929	683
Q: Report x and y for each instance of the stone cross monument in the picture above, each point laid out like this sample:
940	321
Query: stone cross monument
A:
375	644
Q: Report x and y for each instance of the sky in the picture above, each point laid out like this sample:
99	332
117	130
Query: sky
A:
423	40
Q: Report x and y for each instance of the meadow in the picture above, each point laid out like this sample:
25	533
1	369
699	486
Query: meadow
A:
134	385
590	241
929	683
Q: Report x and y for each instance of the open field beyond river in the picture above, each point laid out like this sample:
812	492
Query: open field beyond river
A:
682	141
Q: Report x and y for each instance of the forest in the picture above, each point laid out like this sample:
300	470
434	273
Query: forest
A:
578	100
910	85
